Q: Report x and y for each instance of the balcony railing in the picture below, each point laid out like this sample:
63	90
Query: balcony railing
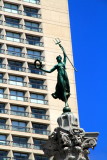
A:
17	83
4	158
31	56
5	142
33	28
4	126
2	80
19	113
20	129
35	71
16	68
14	53
32	14
1	36
32	1
22	145
6	9
13	39
33	42
12	24
24	158
3	111
38	86
40	116
38	147
38	101
40	131
3	66
18	98
2	51
1	22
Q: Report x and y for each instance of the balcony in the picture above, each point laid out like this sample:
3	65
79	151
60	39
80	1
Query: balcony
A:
40	131
40	116
21	158
18	98
4	143
16	68
6	9
22	145
4	126
14	53
38	101
3	66
32	1
19	113
1	22
20	129
3	111
32	14
34	42
12	24
38	86
35	71
30	28
2	51
4	158
17	83
1	36
38	146
13	39
2	80
32	56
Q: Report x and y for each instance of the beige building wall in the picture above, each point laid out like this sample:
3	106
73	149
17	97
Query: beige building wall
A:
53	18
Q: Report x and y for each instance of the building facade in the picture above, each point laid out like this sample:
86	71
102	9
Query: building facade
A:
28	113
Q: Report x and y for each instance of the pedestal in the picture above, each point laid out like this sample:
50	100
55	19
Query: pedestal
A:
69	141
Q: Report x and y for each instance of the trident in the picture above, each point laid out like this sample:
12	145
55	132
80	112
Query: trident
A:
58	42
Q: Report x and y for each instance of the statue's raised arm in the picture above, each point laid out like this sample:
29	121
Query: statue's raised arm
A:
64	53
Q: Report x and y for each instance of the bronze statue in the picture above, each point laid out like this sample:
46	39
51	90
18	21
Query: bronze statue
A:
62	87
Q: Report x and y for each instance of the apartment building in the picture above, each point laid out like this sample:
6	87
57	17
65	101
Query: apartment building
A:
28	113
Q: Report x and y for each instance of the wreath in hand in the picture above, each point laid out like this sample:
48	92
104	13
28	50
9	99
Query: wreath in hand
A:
38	64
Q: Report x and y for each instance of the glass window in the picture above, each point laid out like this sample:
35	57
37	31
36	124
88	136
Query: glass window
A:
16	80
18	155
17	108
16	95
39	126
39	157
32	26
3	121
19	124
33	40
36	83
2	108
34	54
12	22
15	65
3	153
37	98
20	139
11	36
1	92
38	143
32	12
11	8
32	69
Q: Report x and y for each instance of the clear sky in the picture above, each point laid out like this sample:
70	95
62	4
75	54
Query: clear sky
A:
89	39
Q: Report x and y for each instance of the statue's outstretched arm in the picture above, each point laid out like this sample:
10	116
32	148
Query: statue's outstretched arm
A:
62	48
51	70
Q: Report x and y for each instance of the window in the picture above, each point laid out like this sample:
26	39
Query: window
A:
3	154
33	40
1	77
14	51
17	95
11	8
37	98
21	156
40	157
19	126
16	80
12	22
3	139
33	1
38	143
18	110
32	12
32	26
20	141
1	93
3	124
2	108
40	129
15	65
11	36
32	69
39	113
36	83
34	54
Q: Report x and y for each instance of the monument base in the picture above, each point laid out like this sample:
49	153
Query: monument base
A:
68	141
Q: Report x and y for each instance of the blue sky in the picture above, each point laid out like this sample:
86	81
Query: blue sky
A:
89	39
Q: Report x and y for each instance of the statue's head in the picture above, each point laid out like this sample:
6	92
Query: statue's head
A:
59	58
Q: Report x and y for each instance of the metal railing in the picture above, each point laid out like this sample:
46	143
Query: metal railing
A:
38	101
19	113
36	29
16	68
32	56
4	158
20	129
18	98
40	131
14	53
34	42
32	14
3	66
17	83
2	80
14	39
7	9
4	111
36	71
5	142
12	24
2	95
22	145
40	116
38	86
4	126
2	51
